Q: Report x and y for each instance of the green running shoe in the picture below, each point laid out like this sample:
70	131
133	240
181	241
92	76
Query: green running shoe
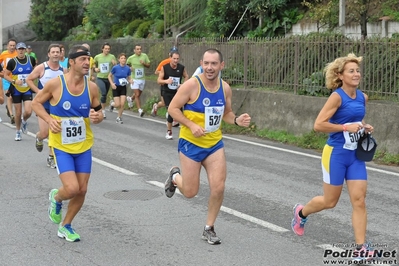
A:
68	233
54	210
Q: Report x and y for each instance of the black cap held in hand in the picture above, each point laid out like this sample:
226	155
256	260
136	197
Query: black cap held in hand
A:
366	147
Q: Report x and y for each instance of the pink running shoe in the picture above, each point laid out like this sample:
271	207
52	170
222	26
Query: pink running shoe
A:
364	254
298	223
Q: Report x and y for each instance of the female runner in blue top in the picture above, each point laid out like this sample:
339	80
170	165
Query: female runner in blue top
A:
343	118
119	77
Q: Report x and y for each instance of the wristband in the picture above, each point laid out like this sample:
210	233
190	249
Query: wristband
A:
235	121
344	128
98	108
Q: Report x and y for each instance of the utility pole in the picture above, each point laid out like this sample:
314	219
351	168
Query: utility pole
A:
341	22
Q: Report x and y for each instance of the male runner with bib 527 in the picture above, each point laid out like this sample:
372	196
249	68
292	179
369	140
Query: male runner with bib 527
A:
206	100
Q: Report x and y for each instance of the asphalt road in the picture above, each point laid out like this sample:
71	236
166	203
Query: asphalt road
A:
127	219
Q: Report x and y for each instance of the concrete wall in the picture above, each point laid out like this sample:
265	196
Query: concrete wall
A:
15	17
378	29
296	114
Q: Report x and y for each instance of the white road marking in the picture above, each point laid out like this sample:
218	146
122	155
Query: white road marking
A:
302	153
114	167
237	214
271	147
103	163
162	185
223	208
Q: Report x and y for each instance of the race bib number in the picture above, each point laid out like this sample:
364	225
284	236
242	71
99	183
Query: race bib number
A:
175	83
213	118
23	78
351	139
104	68
139	72
123	82
73	130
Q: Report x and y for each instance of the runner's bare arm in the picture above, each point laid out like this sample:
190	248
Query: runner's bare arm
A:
96	115
35	74
47	93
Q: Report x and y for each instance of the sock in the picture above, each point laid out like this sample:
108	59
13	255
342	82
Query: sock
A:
174	177
359	246
51	156
301	215
207	227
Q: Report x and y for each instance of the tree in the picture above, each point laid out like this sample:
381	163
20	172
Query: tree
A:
262	8
154	8
325	15
360	12
51	19
223	15
183	14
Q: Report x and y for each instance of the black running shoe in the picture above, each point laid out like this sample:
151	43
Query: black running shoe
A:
39	145
210	236
170	188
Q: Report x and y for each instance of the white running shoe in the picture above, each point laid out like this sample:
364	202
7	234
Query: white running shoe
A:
129	101
141	112
18	136
168	135
119	120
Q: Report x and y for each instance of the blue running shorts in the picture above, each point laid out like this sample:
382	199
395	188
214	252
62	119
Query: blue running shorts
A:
196	153
78	163
341	164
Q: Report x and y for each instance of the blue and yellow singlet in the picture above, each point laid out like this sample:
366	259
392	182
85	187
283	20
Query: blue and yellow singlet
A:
207	111
73	111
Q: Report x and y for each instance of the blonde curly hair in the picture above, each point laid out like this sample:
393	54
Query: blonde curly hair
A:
337	67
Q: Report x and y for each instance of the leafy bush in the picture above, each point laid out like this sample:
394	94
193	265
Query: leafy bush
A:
118	30
143	30
314	85
132	26
159	27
